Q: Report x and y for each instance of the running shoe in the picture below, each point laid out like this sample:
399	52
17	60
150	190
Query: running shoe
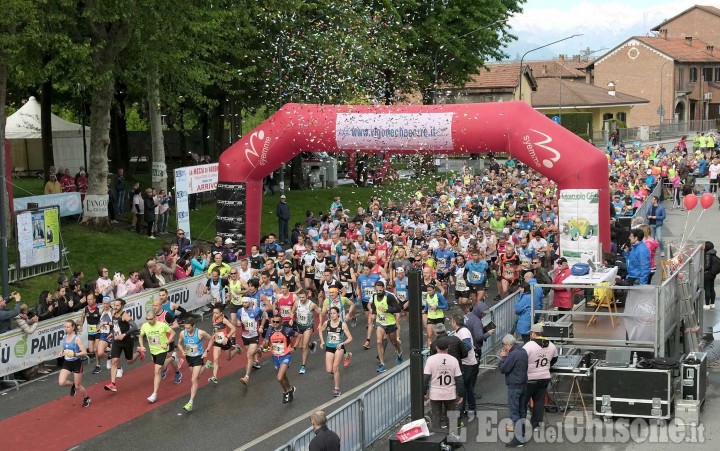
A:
366	346
179	363
163	373
291	394
111	387
178	377
245	380
346	362
72	390
86	401
380	368
313	346
238	349
399	359
119	372
336	392
188	407
286	398
209	365
256	365
213	380
97	370
141	355
152	398
302	369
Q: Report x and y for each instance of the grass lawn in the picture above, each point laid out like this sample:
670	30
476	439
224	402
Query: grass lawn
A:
122	250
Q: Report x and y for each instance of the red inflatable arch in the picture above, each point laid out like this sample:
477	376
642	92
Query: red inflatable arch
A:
512	127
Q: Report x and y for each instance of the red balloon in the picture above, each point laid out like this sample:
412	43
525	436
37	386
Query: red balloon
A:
707	200
690	201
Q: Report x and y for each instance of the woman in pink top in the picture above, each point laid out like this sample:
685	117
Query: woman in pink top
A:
652	244
676	184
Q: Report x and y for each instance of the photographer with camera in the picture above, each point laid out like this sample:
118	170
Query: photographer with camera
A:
5	314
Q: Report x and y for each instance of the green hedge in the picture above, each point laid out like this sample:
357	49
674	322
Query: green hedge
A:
577	123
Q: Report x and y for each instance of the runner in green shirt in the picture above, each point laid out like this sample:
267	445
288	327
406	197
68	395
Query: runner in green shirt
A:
159	334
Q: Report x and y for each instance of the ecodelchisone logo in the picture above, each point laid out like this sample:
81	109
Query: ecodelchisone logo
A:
21	347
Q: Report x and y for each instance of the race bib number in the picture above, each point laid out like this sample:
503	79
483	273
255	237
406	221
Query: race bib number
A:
250	324
382	319
105	329
510	273
475	276
92	328
191	349
219	337
278	348
423	295
309	269
333	338
154	340
368	292
441	262
303	317
460	284
401	296
318	275
69	353
346	286
285	311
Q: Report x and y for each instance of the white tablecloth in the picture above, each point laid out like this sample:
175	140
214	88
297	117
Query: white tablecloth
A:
593	278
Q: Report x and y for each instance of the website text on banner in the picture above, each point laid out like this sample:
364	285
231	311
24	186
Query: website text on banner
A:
19	351
192	180
70	203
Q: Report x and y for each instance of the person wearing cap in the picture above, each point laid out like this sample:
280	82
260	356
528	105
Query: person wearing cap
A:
514	365
282	211
442	384
542	354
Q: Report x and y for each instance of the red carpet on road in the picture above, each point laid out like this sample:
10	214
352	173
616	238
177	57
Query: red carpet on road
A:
63	423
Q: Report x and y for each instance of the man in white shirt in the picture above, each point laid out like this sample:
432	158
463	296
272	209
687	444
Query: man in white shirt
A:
542	354
468	365
713	172
442	383
539	245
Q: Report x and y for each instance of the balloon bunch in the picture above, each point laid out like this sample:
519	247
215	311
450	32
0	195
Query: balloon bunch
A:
691	200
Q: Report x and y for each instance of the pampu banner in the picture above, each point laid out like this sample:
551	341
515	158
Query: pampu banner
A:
19	351
96	206
579	225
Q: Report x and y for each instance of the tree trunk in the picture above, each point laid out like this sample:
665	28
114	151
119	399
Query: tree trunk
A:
5	228
46	125
119	147
101	101
159	169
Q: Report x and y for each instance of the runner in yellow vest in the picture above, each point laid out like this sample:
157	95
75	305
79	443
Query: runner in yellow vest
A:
435	306
383	306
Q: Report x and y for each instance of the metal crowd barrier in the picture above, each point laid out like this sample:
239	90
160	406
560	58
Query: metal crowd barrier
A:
367	418
16	274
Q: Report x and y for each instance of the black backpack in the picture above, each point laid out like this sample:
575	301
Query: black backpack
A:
715	265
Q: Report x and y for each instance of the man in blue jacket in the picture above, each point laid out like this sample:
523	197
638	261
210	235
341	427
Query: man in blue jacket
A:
474	323
514	365
637	259
655	216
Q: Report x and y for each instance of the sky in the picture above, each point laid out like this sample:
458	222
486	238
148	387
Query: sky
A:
603	23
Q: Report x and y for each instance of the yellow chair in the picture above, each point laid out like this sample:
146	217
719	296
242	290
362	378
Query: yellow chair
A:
604	297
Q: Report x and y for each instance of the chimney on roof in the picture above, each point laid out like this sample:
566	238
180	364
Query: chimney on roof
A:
688	40
611	88
709	49
561	57
576	58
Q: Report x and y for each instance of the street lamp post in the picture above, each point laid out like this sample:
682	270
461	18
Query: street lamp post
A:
538	48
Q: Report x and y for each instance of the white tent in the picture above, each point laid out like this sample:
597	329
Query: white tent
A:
23	131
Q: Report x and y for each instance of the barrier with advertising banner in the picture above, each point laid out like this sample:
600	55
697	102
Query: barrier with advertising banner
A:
192	180
70	203
19	351
579	225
